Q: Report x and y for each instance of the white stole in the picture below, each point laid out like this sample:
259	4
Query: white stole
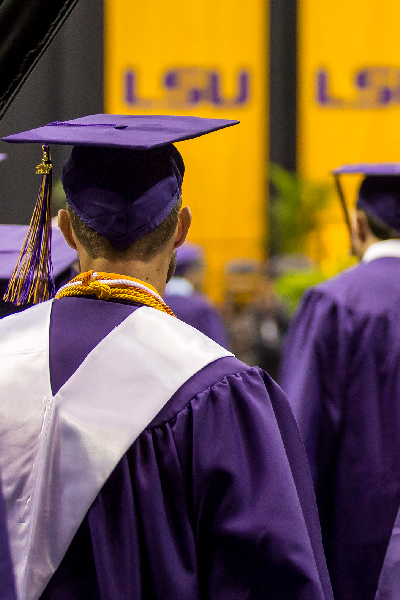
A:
56	452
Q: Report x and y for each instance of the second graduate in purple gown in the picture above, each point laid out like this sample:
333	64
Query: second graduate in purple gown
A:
341	372
184	297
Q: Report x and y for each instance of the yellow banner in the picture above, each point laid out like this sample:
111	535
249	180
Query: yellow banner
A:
207	59
349	94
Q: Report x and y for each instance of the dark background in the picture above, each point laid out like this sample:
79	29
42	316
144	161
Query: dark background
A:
68	83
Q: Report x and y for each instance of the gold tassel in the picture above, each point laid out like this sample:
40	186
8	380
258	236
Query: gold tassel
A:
32	279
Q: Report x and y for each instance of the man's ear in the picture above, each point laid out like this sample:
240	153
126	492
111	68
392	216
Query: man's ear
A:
362	228
182	228
64	223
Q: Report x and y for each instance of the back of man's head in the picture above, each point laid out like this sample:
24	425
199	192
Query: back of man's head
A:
379	199
143	249
122	194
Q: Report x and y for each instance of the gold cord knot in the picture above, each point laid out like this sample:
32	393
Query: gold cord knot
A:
83	286
101	290
86	277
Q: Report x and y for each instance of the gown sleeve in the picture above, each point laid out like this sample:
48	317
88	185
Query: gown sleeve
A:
314	363
254	512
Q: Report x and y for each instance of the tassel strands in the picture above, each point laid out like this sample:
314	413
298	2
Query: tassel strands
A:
32	279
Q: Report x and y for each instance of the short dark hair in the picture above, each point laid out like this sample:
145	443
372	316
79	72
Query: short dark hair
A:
379	229
143	249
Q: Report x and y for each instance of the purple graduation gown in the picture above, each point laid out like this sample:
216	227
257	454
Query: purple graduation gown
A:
197	311
341	373
213	500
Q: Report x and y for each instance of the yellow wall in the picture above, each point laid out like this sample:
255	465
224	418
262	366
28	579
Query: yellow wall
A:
205	58
352	49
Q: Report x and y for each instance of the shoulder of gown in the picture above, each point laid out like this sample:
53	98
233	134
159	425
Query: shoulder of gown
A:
367	288
232	498
198	311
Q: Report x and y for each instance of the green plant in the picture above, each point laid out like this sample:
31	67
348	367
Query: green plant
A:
294	209
291	286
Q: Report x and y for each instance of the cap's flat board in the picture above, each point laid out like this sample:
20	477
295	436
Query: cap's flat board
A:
141	132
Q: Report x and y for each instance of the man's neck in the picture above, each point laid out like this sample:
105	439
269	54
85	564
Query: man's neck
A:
150	273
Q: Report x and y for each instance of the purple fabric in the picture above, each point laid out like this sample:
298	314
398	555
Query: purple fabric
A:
7	589
123	194
212	501
341	372
96	320
140	132
370	169
196	310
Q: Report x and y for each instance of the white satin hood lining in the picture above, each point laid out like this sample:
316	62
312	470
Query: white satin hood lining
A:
57	452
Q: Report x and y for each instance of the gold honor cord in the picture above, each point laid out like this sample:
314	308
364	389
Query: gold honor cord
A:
90	284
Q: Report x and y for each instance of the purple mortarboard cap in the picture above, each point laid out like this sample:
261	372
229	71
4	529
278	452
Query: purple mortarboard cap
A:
187	255
369	169
124	175
379	193
11	239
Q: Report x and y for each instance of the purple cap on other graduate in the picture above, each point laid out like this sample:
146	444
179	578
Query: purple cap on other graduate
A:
124	176
369	169
187	255
379	193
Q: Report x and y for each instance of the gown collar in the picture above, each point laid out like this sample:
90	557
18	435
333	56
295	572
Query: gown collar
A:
179	286
382	249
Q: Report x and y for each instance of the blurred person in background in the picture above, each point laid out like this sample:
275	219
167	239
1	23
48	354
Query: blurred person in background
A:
257	321
341	372
184	295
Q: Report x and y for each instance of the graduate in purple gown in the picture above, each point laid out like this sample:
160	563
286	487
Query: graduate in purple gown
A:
139	458
184	297
341	373
11	240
